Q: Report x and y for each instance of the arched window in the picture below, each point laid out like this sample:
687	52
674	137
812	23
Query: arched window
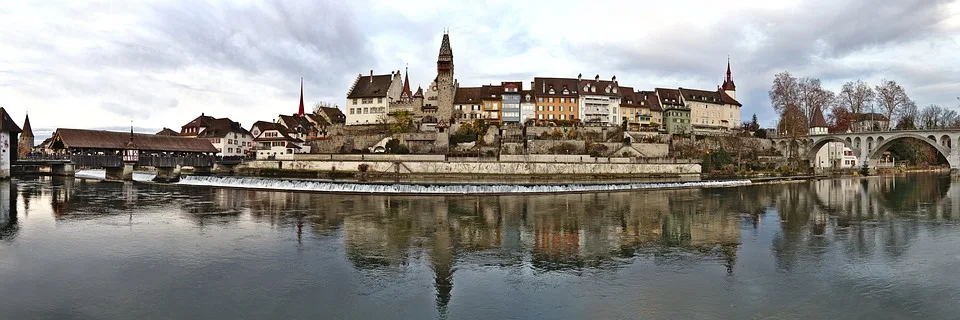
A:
551	91
565	91
593	89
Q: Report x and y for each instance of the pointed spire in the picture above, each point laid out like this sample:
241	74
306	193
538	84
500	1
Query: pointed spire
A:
729	74
406	84
300	111
728	82
27	129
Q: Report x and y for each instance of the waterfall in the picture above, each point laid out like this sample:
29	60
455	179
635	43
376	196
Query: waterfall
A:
101	174
426	188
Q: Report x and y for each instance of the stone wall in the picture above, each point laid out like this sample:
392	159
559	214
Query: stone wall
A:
485	168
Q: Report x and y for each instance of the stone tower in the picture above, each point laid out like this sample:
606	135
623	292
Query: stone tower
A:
728	87
446	85
26	138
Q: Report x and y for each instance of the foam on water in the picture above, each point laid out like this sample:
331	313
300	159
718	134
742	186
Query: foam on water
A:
414	188
102	174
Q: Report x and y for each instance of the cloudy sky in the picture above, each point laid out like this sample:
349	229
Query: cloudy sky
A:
101	64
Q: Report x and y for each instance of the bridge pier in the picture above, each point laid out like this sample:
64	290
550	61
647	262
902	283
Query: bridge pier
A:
167	174
222	168
62	169
122	173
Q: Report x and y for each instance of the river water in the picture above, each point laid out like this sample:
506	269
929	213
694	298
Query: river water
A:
872	248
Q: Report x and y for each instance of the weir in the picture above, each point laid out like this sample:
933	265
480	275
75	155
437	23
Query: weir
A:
337	187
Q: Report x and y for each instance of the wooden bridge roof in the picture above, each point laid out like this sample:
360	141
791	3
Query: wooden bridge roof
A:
112	140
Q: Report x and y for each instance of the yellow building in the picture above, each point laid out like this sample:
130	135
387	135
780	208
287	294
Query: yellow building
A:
492	102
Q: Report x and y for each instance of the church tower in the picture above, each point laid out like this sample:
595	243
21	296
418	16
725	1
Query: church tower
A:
25	145
445	83
728	87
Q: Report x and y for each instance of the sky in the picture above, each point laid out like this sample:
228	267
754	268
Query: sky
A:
155	64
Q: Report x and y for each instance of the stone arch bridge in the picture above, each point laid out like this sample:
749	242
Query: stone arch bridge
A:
869	147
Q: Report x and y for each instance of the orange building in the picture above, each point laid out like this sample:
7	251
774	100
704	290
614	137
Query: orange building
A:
492	102
556	99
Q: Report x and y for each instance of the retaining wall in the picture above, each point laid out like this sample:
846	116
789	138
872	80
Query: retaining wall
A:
517	168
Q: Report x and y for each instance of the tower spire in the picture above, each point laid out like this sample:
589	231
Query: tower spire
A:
728	82
406	84
300	111
729	74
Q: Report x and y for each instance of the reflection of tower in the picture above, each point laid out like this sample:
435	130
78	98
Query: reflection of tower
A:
8	209
442	260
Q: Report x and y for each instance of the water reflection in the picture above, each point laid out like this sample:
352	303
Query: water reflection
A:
872	219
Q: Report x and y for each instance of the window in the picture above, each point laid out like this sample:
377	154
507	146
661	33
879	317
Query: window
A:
540	108
551	92
551	117
562	100
565	91
573	100
593	89
586	88
563	117
366	110
540	99
354	101
380	100
561	108
551	99
551	108
351	110
540	116
229	150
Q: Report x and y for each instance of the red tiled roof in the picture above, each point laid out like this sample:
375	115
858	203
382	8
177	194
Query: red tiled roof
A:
6	123
490	92
468	95
669	97
112	140
818	120
599	88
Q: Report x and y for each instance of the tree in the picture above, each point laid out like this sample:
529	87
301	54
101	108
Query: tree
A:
891	97
813	96
936	117
856	96
840	118
907	117
794	125
784	91
401	121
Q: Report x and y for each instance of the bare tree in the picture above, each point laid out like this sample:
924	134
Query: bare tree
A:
813	96
785	91
794	125
856	96
891	97
907	116
936	117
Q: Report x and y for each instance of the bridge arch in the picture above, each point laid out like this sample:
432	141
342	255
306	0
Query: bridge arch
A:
818	144
931	137
945	141
870	143
856	143
881	148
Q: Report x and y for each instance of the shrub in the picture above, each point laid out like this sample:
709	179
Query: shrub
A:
363	167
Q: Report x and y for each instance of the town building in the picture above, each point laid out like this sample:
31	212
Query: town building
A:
650	104
8	133
491	97
369	98
26	144
467	104
528	106
835	155
274	140
556	99
676	114
226	135
861	122
818	125
333	115
599	101
511	101
711	112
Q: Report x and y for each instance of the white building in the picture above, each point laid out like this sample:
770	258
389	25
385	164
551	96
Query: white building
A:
226	135
8	142
711	111
835	155
369	98
467	104
600	101
274	141
528	106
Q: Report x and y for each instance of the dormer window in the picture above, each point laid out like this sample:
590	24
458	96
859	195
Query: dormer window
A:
607	89
614	90
565	91
586	88
593	89
528	97
551	91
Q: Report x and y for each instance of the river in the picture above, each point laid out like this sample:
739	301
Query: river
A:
871	248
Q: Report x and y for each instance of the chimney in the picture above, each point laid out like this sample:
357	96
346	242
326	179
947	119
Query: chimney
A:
579	76
597	78
371	75
614	79
544	85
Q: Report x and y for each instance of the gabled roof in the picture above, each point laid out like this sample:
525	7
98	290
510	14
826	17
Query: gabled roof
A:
542	86
334	115
371	86
468	95
727	99
419	93
6	122
512	84
168	132
213	127
114	140
265	126
525	93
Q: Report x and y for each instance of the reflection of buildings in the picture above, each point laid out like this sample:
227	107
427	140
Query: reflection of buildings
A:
8	210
